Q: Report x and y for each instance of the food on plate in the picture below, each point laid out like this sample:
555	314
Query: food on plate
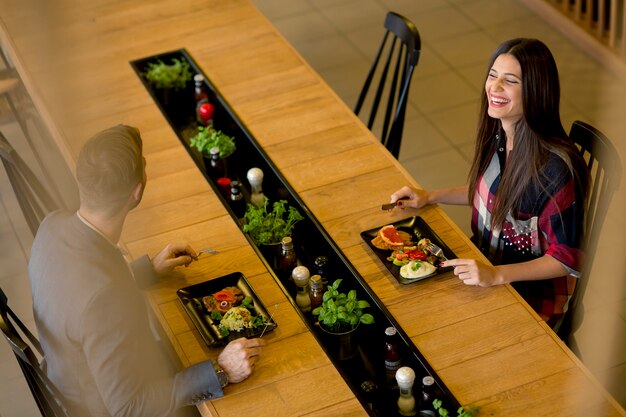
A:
236	319
223	300
389	238
417	269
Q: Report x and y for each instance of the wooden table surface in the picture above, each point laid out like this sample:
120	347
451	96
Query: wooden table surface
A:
486	344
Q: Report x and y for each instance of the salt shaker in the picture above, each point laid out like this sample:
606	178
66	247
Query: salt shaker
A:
405	377
255	178
301	276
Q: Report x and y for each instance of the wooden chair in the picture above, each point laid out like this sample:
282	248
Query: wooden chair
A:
606	172
399	30
32	196
47	396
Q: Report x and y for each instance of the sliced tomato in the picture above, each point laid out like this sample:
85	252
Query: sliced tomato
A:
224	295
401	255
417	254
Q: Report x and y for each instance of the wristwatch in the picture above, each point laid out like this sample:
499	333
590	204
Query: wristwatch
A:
222	376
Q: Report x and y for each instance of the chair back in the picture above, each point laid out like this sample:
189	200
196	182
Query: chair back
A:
606	171
47	396
400	31
32	196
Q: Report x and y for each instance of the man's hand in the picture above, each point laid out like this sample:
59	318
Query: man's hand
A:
238	358
171	256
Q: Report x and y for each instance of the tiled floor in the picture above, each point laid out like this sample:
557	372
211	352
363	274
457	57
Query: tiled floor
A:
338	38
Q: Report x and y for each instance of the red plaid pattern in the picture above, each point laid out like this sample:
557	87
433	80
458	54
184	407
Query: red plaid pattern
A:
547	222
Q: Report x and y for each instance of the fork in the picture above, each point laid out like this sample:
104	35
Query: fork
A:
206	250
436	250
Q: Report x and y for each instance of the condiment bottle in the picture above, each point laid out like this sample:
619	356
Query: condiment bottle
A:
427	397
237	202
224	185
216	163
316	291
288	258
392	356
200	94
255	178
405	377
321	266
301	276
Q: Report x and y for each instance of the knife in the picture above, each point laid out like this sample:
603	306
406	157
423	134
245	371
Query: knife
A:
390	206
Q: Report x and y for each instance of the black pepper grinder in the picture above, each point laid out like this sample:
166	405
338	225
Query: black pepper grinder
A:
237	203
428	396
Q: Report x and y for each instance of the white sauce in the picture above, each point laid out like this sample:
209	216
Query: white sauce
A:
412	271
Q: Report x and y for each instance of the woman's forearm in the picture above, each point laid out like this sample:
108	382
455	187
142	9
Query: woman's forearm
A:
545	267
455	196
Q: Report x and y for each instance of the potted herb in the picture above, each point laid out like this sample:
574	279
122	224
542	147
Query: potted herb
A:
207	138
269	227
460	412
339	316
172	89
168	76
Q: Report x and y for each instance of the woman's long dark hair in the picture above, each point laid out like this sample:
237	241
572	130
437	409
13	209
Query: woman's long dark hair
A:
537	134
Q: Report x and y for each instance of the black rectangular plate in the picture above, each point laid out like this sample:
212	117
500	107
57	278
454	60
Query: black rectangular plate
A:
191	299
419	229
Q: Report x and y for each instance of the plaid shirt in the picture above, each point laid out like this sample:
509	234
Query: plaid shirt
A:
546	222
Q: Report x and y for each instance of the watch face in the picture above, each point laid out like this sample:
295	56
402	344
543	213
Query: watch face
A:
222	378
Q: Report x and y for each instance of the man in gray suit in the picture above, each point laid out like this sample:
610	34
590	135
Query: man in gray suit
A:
91	318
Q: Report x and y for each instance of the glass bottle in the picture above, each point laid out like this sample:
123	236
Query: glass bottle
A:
321	266
405	377
237	202
255	178
392	356
316	291
301	276
288	258
427	397
216	163
200	94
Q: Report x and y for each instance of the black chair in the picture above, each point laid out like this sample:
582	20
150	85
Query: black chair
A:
606	171
399	30
32	196
47	396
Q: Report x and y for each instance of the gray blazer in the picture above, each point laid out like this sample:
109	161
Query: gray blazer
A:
94	327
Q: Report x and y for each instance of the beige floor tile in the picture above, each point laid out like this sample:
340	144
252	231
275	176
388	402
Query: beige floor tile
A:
485	12
16	399
421	139
347	79
474	50
274	9
305	26
458	124
367	39
441	23
406	7
328	52
428	169
355	14
440	92
430	63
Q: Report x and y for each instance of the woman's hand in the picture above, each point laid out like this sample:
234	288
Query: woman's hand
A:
473	272
173	255
410	197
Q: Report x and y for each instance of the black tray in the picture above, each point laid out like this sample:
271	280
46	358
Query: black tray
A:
191	298
419	229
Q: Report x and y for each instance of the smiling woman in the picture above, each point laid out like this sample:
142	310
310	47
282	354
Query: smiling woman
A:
527	184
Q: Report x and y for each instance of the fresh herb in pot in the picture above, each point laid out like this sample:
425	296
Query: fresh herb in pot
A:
207	138
341	312
269	227
164	76
460	412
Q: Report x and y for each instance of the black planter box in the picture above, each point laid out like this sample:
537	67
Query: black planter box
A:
311	241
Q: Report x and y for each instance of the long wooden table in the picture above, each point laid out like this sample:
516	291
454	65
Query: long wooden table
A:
486	344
